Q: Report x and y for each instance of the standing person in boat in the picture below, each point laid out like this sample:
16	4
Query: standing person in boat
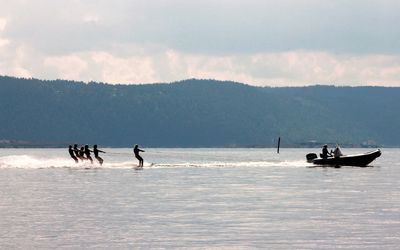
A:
71	153
325	152
136	151
96	154
87	153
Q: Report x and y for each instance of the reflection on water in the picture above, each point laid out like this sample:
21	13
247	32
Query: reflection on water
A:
197	198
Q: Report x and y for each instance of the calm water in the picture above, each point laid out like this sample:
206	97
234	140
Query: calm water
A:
197	198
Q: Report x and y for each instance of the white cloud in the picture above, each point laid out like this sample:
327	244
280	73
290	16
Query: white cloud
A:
91	18
16	60
293	68
124	70
68	67
21	72
3	23
4	42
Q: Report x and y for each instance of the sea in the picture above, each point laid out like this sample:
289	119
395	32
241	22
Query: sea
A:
202	198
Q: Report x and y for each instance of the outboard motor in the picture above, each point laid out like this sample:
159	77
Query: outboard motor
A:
311	156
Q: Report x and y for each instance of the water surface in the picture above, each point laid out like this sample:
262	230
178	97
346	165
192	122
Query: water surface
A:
197	198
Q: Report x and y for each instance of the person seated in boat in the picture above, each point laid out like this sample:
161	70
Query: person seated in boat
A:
337	152
325	152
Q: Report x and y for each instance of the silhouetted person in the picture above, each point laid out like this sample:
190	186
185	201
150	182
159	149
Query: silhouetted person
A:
136	151
87	153
71	153
82	153
96	154
76	151
325	152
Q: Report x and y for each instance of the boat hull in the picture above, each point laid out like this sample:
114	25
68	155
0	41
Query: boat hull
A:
360	160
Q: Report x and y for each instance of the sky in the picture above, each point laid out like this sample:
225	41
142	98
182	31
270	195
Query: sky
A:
258	42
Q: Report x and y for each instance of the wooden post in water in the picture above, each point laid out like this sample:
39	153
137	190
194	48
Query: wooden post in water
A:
279	144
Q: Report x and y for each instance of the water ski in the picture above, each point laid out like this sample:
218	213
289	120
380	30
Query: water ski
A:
141	167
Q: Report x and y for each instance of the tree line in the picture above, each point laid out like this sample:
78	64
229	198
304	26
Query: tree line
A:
195	113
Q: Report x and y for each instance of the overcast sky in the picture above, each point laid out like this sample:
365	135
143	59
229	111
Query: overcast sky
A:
259	42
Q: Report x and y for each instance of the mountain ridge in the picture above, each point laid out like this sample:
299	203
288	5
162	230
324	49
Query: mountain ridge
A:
196	113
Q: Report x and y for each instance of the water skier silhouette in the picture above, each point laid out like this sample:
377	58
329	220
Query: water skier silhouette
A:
136	151
87	153
82	154
71	153
96	154
76	151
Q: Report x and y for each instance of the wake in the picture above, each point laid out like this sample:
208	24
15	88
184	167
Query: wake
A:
34	162
29	162
247	164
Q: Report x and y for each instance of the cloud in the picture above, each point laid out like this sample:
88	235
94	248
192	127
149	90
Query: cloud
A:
4	42
68	67
297	68
288	42
3	23
124	70
90	18
291	68
208	26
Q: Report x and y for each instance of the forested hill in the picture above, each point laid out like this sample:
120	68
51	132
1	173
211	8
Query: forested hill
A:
195	113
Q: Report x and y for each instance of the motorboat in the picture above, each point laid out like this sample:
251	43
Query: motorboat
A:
360	160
